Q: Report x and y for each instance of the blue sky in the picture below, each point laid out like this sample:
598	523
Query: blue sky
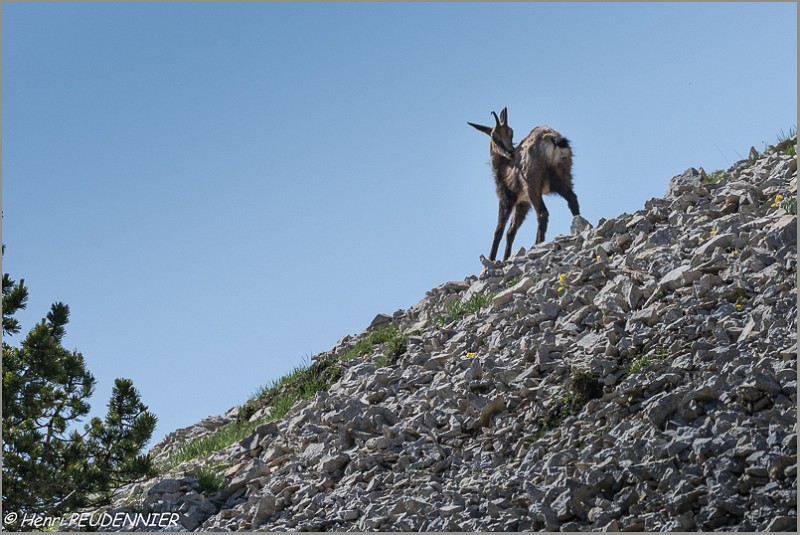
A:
219	191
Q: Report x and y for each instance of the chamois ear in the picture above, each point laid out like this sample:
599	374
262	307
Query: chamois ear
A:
485	129
504	117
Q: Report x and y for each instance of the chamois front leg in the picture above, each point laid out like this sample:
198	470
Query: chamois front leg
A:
519	216
541	217
502	218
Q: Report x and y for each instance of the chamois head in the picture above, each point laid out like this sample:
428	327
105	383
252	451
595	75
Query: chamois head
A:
502	135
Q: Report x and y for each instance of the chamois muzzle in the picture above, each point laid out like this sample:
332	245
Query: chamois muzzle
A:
504	150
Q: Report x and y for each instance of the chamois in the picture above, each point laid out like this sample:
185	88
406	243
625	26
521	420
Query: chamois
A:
540	164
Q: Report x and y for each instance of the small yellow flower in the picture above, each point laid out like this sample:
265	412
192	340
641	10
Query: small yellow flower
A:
713	231
562	282
738	307
778	199
470	354
599	259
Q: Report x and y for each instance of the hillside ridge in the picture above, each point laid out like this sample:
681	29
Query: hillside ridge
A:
636	375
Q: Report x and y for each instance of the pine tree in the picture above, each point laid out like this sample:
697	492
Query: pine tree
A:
49	466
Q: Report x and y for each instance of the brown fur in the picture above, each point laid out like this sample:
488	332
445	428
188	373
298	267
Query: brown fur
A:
540	164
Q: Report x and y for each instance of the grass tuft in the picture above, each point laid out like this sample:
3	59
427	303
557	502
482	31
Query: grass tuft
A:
303	382
459	309
582	387
396	342
715	177
208	444
790	150
209	481
645	360
513	282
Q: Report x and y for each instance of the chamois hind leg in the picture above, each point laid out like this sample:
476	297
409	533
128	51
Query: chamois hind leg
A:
519	216
569	195
541	217
502	218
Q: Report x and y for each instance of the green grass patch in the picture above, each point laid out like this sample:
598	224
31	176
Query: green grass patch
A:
790	205
516	280
209	481
644	360
791	150
715	177
396	346
395	340
513	281
459	309
208	444
303	382
581	387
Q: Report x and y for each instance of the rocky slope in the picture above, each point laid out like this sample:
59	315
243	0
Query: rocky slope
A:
639	375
